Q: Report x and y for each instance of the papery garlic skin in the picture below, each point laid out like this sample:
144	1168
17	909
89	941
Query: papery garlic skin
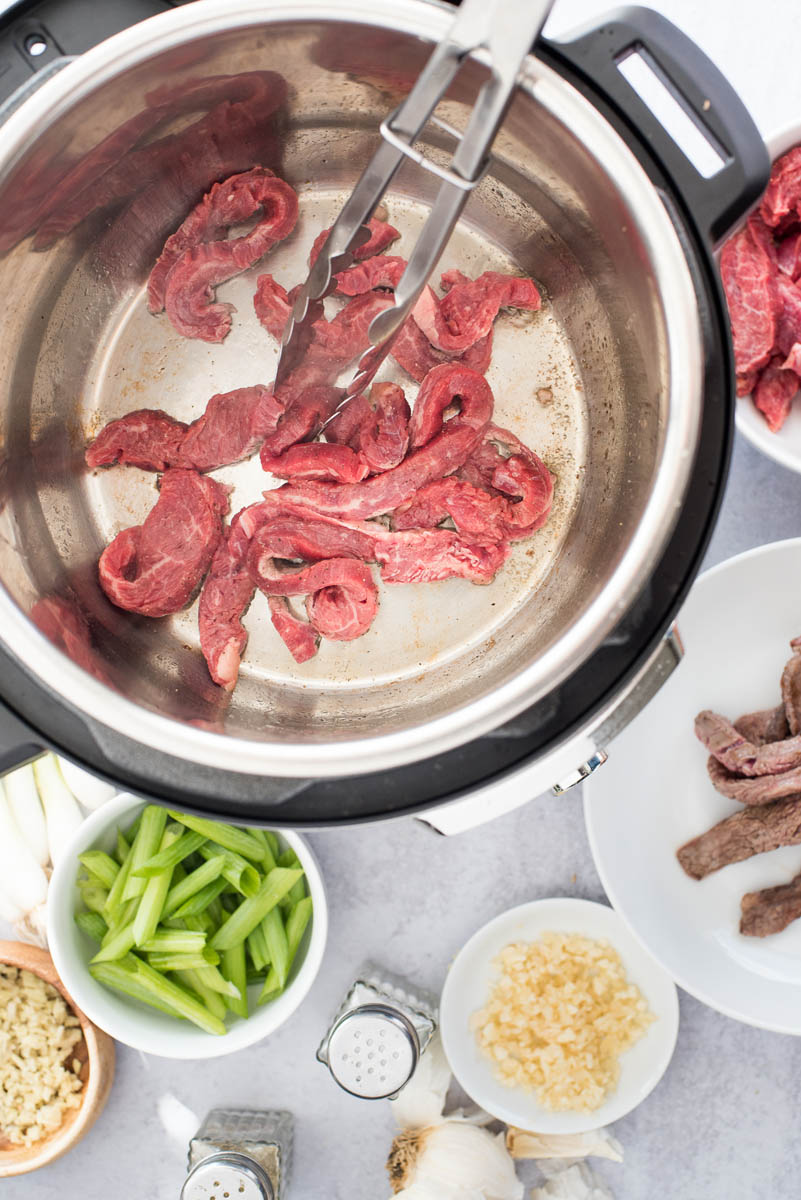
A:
455	1155
578	1182
597	1143
422	1100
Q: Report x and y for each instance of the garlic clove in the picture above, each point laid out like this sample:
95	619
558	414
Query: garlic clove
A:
598	1143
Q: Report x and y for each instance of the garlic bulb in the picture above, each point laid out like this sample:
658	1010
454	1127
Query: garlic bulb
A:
599	1143
578	1182
452	1160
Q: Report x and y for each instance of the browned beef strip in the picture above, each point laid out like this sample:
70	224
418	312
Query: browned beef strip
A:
743	757
761	789
771	910
767	725
791	693
746	833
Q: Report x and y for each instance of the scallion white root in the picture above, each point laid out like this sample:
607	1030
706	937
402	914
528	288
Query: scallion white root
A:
26	808
88	790
60	807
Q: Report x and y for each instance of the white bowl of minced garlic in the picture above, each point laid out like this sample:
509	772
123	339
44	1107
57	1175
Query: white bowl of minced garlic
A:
56	1067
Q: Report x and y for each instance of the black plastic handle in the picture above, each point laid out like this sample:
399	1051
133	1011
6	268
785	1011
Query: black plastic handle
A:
716	203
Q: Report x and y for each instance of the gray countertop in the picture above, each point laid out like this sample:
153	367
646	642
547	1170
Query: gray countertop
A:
722	1123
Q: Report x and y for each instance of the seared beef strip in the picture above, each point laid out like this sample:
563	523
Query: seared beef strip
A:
791	693
739	755
746	833
766	725
761	789
771	910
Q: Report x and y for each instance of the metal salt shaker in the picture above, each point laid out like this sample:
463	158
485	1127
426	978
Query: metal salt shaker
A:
378	1034
240	1154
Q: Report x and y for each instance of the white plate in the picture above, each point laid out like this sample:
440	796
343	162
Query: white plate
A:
467	988
654	794
785	446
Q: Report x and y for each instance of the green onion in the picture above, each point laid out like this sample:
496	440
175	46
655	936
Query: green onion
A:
237	870
253	910
225	835
151	983
146	843
93	924
151	906
101	865
186	844
208	873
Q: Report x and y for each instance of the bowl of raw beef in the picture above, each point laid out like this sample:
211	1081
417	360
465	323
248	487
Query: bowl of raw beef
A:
761	269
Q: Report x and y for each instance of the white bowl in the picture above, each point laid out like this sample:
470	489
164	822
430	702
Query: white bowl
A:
146	1028
785	446
467	989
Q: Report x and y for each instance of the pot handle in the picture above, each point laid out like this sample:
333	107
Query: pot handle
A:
669	60
19	744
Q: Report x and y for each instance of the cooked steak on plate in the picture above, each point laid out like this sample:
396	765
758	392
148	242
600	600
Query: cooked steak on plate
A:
771	910
745	833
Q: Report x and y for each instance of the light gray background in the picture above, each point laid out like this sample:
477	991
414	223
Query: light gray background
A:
721	1125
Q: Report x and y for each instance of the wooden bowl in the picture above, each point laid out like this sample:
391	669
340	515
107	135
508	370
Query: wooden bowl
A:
95	1051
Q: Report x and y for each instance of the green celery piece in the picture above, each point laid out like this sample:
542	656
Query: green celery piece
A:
115	898
198	904
133	828
161	961
116	945
252	911
146	843
101	865
176	941
254	976
213	979
277	945
234	968
272	987
112	975
228	836
94	896
201	922
215	911
296	925
257	948
185	843
241	874
167	992
198	879
290	859
213	1000
123	848
92	924
270	846
157	887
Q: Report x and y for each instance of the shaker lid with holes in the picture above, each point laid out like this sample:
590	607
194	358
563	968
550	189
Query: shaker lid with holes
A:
227	1176
373	1051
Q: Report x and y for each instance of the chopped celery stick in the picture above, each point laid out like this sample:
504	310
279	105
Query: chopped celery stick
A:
115	899
290	859
271	848
275	936
133	829
233	968
215	911
270	840
101	865
198	903
253	910
116	944
93	924
254	976
123	848
198	879
257	948
272	987
176	941
224	835
146	843
182	962
237	870
214	980
165	991
213	1000
185	844
93	895
151	906
296	925
112	975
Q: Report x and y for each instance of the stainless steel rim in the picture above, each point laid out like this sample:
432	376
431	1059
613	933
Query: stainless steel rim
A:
426	20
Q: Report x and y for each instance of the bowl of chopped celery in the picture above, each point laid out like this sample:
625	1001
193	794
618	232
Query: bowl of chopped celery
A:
182	936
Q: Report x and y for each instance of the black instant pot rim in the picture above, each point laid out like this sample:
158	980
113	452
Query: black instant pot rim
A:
37	714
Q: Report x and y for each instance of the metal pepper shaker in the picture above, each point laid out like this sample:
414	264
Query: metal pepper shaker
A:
374	1042
240	1154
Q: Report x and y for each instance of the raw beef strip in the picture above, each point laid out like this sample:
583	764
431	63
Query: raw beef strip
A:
742	835
789	255
783	192
736	754
467	311
155	568
381	235
147	438
225	204
791	693
767	725
747	383
224	600
774	392
376	425
764	236
272	304
438	447
64	624
792	363
232	428
788	328
770	910
300	638
748	279
383	271
317	460
413	351
755	789
306	407
262	91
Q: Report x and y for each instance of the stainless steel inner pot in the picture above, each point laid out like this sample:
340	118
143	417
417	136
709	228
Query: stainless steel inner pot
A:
605	383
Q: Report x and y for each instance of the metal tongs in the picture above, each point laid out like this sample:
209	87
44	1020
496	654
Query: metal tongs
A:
504	30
